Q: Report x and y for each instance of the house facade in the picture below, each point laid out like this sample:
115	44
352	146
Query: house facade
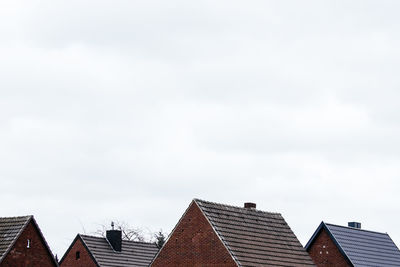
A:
211	234
335	245
22	244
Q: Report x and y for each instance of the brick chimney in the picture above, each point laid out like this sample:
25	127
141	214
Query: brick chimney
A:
355	225
250	205
114	237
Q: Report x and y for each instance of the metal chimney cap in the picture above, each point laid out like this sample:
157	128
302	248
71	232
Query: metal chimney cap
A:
354	225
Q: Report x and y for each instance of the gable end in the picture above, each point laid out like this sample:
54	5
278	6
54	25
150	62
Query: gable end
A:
15	239
28	247
194	242
78	238
316	252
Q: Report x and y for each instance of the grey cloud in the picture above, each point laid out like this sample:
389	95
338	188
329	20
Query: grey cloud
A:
126	110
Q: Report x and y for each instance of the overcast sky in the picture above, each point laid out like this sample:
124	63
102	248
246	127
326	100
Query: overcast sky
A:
127	110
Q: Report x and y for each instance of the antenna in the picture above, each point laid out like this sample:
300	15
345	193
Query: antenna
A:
112	225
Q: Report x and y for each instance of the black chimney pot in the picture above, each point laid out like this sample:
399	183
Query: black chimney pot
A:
114	237
250	205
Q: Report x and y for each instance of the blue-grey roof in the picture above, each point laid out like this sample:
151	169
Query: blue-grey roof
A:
366	248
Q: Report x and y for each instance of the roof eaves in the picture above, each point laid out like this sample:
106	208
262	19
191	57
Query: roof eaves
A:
16	238
216	232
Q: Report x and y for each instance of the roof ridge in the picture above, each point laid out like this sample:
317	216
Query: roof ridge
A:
232	234
103	237
17	217
357	229
236	207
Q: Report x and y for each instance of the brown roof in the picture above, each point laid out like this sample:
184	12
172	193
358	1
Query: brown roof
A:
254	237
134	254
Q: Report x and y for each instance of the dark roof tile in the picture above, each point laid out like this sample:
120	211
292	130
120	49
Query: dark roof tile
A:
254	237
10	229
133	254
366	248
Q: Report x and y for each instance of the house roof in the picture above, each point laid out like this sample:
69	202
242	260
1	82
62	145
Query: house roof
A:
254	237
10	230
133	254
362	247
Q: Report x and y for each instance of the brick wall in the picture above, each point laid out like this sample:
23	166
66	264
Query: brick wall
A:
324	252
22	256
84	260
194	243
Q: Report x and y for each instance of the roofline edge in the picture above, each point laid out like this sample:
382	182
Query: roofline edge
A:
173	230
215	231
78	236
322	226
16	238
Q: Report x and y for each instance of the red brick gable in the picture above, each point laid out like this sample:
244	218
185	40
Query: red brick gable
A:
36	255
70	258
325	253
194	243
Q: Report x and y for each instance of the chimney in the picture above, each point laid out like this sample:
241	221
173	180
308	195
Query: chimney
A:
114	237
249	205
355	225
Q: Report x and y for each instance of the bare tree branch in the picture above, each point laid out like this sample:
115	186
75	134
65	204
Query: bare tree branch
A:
128	232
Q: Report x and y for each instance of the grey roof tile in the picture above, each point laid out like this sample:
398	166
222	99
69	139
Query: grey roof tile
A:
10	229
366	248
254	237
133	254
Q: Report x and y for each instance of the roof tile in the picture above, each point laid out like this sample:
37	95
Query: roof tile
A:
255	238
10	229
366	248
133	254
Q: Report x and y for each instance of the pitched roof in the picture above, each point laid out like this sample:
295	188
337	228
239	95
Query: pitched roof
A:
10	230
362	247
133	254
254	237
